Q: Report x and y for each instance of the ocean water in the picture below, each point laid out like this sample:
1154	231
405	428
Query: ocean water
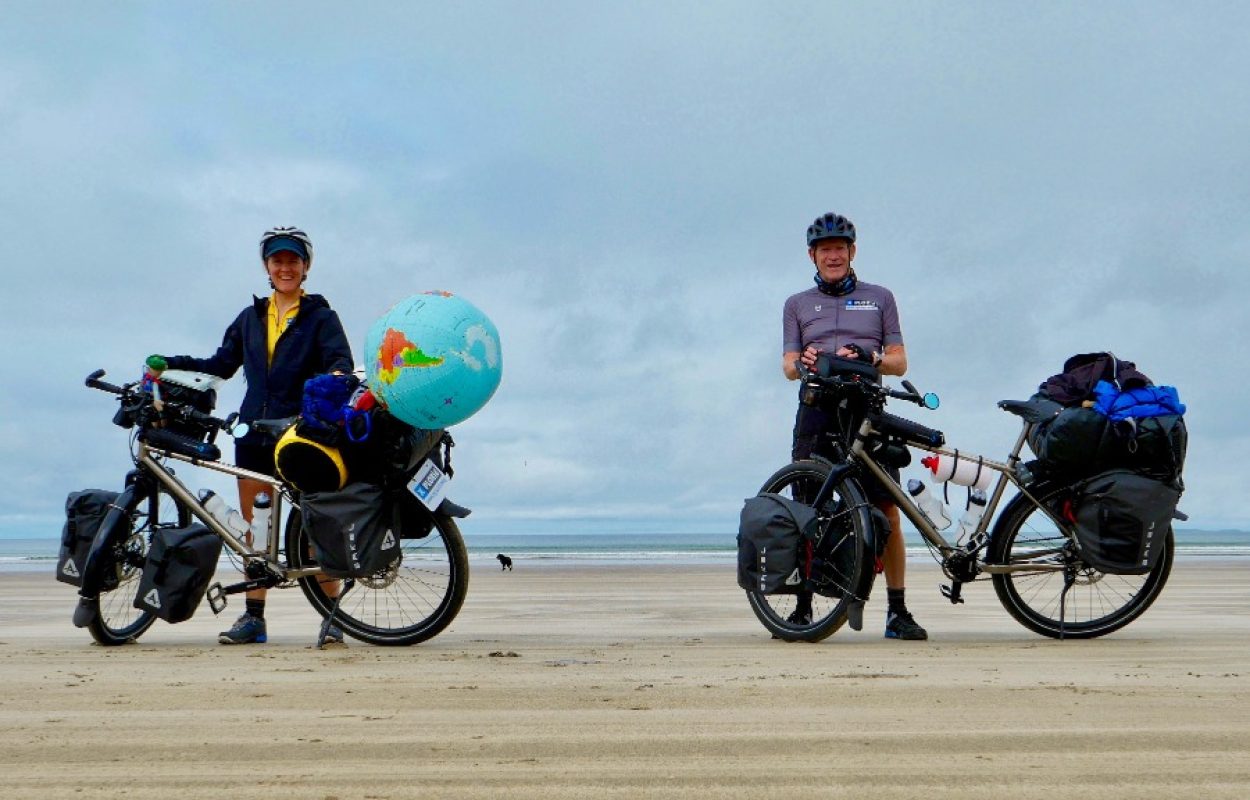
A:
33	554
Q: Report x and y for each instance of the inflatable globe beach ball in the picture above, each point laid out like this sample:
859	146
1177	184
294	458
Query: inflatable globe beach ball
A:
433	360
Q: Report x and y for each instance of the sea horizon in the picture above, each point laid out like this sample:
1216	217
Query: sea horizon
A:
34	553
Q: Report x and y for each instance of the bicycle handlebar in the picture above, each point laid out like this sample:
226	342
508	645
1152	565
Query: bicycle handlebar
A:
127	390
910	396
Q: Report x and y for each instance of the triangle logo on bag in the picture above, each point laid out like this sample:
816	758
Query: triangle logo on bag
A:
70	569
794	579
388	541
152	598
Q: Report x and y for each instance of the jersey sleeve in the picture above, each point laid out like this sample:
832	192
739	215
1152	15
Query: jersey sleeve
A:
791	335
891	330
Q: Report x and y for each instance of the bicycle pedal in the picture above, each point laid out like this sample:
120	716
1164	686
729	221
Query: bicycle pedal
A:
216	598
953	593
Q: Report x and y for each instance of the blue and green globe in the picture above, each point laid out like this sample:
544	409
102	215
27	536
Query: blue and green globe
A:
433	360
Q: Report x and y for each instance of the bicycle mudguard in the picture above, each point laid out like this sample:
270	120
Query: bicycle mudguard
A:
114	528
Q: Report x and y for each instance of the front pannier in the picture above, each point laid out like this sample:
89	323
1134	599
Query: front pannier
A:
84	512
180	565
352	531
772	544
1122	520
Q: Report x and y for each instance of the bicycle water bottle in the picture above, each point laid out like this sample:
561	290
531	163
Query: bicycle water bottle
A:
223	513
930	506
260	521
972	517
963	470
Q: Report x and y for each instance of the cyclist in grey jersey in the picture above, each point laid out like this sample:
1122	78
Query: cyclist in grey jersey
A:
848	318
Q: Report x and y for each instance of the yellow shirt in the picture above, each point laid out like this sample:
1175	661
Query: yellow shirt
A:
277	326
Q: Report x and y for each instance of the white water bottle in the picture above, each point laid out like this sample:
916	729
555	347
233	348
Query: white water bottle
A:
972	517
963	470
260	521
929	505
223	513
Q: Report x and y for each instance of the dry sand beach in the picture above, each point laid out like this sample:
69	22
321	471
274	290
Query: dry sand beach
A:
633	681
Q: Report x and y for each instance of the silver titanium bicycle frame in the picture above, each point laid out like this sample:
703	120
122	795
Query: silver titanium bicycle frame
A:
179	490
1006	474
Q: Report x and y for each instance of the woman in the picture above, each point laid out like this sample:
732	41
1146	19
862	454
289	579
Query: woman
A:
280	341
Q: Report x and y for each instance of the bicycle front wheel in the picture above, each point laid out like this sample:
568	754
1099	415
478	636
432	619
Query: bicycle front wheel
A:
843	566
413	599
1096	603
117	621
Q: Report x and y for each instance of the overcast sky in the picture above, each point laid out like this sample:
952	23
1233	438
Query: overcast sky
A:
624	189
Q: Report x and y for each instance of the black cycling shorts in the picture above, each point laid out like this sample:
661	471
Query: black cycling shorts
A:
255	457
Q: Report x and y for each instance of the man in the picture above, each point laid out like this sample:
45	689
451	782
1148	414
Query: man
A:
852	319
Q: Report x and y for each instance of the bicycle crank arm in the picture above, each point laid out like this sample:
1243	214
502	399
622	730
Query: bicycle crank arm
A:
953	592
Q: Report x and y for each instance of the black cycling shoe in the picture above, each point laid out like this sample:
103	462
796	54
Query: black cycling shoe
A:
901	625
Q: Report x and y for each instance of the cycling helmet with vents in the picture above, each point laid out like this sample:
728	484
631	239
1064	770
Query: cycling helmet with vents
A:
277	239
830	226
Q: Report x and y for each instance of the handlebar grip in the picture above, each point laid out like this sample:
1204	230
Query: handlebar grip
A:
93	382
184	445
909	431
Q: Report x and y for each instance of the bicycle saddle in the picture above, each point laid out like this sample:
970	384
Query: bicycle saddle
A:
1035	409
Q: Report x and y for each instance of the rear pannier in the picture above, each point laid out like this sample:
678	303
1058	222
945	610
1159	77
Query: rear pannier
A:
1122	520
352	531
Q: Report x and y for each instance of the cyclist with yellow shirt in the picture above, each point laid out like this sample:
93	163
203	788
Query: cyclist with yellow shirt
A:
280	341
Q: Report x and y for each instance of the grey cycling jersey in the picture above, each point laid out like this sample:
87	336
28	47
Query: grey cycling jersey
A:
867	317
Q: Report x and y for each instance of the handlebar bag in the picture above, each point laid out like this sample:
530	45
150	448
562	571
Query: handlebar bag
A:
772	545
179	567
84	511
351	530
1122	519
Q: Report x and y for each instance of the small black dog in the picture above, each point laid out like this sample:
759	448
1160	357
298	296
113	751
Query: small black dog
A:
504	562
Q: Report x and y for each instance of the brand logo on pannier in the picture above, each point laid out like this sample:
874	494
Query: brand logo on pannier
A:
794	579
152	598
70	569
763	568
388	541
1150	540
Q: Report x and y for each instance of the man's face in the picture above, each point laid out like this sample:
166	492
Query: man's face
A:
832	258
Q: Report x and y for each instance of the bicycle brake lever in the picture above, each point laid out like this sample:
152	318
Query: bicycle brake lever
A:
909	387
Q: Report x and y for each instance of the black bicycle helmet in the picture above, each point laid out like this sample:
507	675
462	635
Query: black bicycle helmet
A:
830	226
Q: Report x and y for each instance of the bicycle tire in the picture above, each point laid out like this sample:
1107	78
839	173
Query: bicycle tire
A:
1097	604
847	521
411	601
116	620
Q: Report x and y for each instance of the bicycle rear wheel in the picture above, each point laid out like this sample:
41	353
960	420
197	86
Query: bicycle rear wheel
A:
117	621
844	564
1096	604
413	599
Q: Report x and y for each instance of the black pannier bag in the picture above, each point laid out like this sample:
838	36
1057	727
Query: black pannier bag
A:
1079	442
84	512
352	530
180	565
1122	519
772	545
391	451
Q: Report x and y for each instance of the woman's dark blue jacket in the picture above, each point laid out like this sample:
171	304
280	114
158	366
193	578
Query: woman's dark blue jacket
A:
313	344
